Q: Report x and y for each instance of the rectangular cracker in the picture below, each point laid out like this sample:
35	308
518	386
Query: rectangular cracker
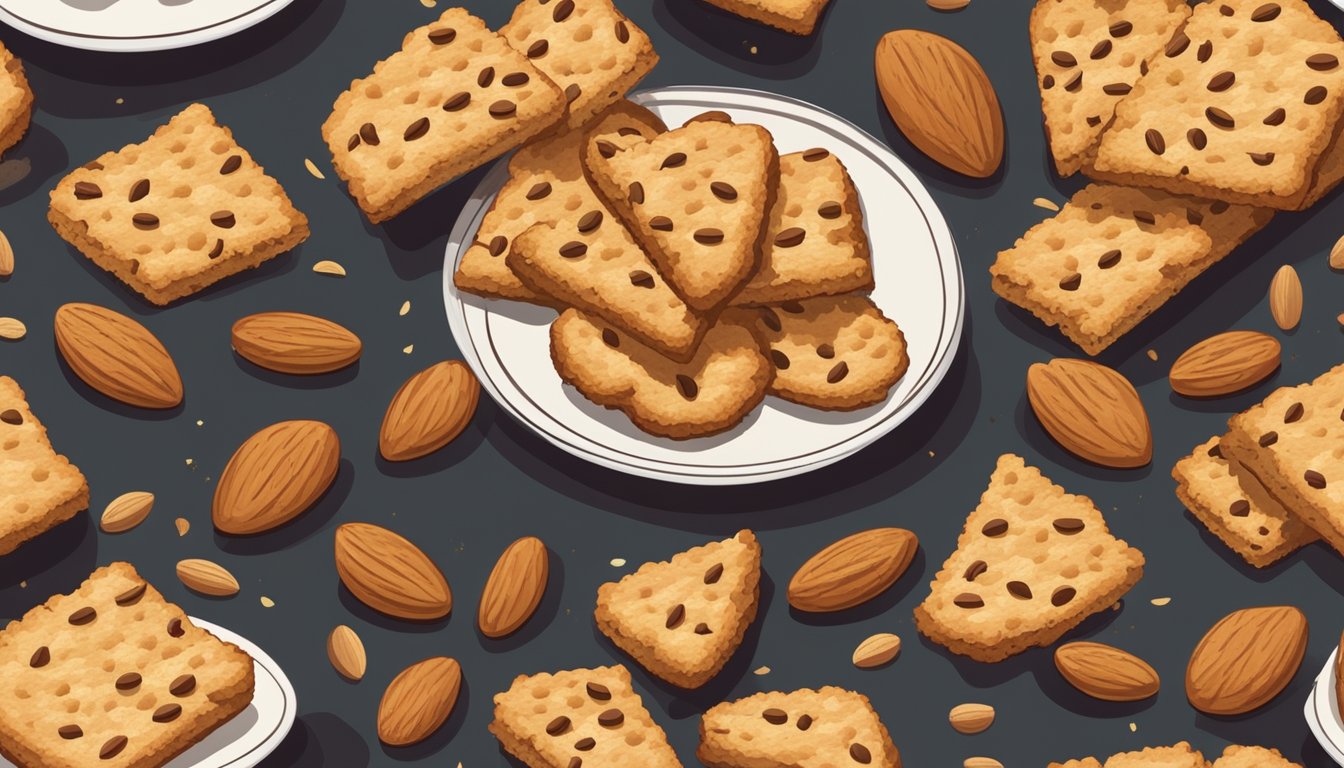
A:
455	97
798	17
1088	55
114	675
1066	270
16	100
39	488
177	212
586	47
1240	107
828	726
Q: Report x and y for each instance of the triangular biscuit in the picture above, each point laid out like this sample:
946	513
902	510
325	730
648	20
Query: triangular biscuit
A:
39	488
697	199
1032	563
682	619
826	727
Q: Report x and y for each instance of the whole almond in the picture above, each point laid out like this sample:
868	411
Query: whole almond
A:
418	701
346	652
428	411
291	342
1337	254
117	356
1246	659
6	256
1285	298
328	267
126	511
853	570
941	99
981	762
876	650
971	718
1227	363
274	476
390	574
1092	411
948	5
515	587
207	577
1106	673
12	329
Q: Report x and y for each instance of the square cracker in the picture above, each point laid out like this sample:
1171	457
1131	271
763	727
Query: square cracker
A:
1113	255
825	727
16	100
455	97
39	488
797	17
1240	106
114	675
587	47
1237	756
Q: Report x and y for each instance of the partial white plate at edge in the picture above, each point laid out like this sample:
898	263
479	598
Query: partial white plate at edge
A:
1322	712
133	26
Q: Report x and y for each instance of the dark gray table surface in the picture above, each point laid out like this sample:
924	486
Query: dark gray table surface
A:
274	86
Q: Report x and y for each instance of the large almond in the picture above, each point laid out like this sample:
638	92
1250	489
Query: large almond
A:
429	410
291	342
515	587
853	570
1106	673
275	476
1092	411
1246	659
941	99
1227	363
117	356
390	574
418	701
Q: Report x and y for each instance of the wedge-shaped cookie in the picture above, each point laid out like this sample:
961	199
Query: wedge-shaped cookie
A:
798	17
16	100
825	727
1180	755
1290	445
815	244
1089	54
580	717
455	97
696	198
1237	756
682	619
587	47
39	488
177	212
1236	509
1032	563
546	186
1114	255
836	353
1240	106
114	675
723	382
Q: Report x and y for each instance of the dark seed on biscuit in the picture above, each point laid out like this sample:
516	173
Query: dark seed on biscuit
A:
1177	45
416	130
503	108
1156	143
182	685
606	148
557	726
585	744
573	92
223	219
1069	525
538	49
660	223
457	102
130	596
838	373
598	691
175	628
1315	95
128	682
1094	120
676	616
573	249
814	154
708	236
575	762
995	528
714	573
138	190
974	570
1216	451
1071	282
628	131
712	116
498	244
826	351
11	416
1143	67
780	359
92	165
1205	51
1048	82
1239	508
1219	206
486	77
610	338
1109	259
968	600
771	321
83	616
803	722
233	163
562	10
1314	479
145	220
1194	217
70	731
1276	117
442	36
1064	59
636	193
641	279
1116	89
1266	12
689	389
539	190
1197	138
1261	158
352	143
1019	589
830	210
1222	81
1075	83
860	754
1145	217
674	160
369	134
703	629
167	713
1063	596
590	221
1121	28
112	747
611	718
790	237
40	657
1294	413
1322	62
1268	439
622	32
1101	50
723	190
775	716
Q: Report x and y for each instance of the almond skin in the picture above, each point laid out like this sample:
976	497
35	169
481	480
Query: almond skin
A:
291	342
429	410
1285	298
853	570
126	511
275	476
1224	364
346	652
515	588
418	701
876	651
1246	659
1106	673
117	356
941	99
971	718
1092	411
207	577
390	574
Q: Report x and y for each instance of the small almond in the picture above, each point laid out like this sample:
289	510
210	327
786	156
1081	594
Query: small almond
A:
418	701
292	342
183	525
328	267
1337	254
346	652
429	410
6	256
876	650
971	718
12	329
207	577
1285	298
853	570
1106	673
127	511
981	762
515	588
1226	363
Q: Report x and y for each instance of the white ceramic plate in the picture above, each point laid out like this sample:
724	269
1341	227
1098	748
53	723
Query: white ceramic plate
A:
253	733
1322	712
919	285
135	25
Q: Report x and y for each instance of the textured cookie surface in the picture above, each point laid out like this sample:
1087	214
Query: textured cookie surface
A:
1088	55
825	728
815	244
683	618
1249	522
178	212
1180	755
453	98
796	16
1113	255
697	199
113	675
1240	106
833	352
1031	564
1237	756
579	717
716	389
39	488
586	47
16	100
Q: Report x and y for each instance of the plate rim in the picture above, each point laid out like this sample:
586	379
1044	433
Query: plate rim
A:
1320	698
265	9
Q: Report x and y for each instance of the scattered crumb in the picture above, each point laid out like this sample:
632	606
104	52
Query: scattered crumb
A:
405	308
1048	205
190	462
761	671
120	100
23	584
1160	601
267	602
200	422
328	267
1115	607
754	50
617	562
183	525
408	349
312	168
1133	727
931	454
1152	355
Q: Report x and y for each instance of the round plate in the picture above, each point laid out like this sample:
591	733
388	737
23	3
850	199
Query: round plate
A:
919	286
129	26
1322	712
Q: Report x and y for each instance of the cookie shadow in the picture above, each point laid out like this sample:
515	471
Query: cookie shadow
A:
540	619
1235	561
319	739
408	237
741	44
31	164
382	620
69	550
308	523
